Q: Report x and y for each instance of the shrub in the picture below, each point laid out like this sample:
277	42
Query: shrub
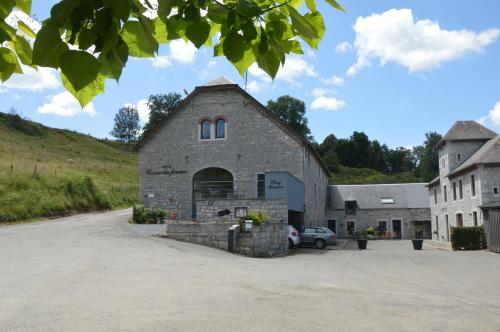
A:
144	215
258	218
468	238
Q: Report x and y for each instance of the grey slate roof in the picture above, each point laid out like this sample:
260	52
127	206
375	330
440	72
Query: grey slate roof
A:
406	195
489	153
434	182
221	80
467	130
491	205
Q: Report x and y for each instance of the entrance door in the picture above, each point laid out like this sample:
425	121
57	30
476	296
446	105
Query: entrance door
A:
350	227
396	228
460	220
332	225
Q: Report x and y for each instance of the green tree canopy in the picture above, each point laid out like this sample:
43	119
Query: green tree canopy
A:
126	128
427	156
91	40
292	112
160	106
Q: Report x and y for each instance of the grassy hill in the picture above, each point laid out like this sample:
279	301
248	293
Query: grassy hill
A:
49	172
346	175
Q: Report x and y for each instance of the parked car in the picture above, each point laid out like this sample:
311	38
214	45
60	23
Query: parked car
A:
293	237
320	237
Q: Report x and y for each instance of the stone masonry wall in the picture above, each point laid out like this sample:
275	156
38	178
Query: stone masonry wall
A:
267	240
253	144
275	209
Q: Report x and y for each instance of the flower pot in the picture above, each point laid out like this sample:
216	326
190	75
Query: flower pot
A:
362	244
417	244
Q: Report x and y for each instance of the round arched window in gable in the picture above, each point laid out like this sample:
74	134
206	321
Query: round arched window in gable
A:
205	129
220	128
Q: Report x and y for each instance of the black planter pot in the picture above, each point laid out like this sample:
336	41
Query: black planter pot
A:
417	244
362	244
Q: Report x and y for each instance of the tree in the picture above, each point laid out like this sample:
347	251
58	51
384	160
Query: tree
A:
292	112
91	41
127	126
160	106
427	157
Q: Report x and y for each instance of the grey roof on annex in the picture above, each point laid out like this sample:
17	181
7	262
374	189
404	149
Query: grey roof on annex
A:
466	131
488	154
368	196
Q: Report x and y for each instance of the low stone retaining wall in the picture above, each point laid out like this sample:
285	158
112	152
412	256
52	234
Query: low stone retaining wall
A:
267	240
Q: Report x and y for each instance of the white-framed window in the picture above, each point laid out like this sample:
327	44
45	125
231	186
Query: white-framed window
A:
205	130
382	225
220	129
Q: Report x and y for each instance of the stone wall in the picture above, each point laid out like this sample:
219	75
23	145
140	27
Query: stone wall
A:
370	217
275	209
267	240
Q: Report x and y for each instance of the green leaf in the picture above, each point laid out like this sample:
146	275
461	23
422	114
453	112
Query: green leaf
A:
160	34
335	4
233	47
119	8
317	20
6	7
267	60
4	36
311	5
248	8
8	64
246	61
85	95
80	68
24	5
140	41
217	13
113	62
198	33
302	25
23	50
26	29
293	46
48	47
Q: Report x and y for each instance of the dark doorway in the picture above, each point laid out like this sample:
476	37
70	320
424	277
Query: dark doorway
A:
460	220
396	228
332	225
296	219
212	183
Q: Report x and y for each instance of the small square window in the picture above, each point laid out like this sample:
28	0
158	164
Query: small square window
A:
459	157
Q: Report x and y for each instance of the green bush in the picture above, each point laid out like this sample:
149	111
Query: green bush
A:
143	215
468	238
258	218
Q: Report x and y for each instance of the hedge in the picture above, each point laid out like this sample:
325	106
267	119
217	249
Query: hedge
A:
468	238
143	215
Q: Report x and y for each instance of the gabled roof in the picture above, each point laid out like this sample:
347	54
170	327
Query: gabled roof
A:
467	131
488	154
369	196
223	83
434	182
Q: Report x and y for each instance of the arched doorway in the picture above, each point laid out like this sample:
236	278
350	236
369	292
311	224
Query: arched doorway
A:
212	183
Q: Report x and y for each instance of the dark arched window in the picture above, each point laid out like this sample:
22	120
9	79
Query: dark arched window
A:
220	129
205	129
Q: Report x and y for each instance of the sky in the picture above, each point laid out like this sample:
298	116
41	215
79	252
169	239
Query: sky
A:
392	69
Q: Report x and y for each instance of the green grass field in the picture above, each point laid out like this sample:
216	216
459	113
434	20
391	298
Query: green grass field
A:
48	172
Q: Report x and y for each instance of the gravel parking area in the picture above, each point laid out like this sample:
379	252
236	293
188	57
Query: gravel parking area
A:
96	272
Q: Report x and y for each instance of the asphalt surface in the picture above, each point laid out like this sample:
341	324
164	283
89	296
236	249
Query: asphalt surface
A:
96	272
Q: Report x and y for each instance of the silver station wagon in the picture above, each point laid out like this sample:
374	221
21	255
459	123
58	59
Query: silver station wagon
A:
320	237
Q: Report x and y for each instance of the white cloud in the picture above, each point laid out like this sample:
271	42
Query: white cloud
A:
33	80
64	104
495	114
161	62
343	47
180	52
422	45
334	80
323	101
255	86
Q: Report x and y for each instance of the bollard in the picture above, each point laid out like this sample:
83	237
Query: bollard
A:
231	237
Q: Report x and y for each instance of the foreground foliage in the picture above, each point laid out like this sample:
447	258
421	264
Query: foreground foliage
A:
143	215
91	40
468	238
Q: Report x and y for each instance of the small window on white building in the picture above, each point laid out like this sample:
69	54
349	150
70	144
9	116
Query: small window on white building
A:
387	200
495	191
459	157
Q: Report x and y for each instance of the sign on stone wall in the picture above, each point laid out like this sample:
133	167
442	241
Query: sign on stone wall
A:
166	170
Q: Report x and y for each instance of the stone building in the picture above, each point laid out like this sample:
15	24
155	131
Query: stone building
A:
395	209
469	177
222	154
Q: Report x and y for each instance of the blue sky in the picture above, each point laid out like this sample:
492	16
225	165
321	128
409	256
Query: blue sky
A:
393	69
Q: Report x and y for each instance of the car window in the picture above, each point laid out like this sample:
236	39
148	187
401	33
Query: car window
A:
319	230
309	230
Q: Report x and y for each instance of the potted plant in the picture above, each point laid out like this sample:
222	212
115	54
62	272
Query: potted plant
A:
418	240
361	239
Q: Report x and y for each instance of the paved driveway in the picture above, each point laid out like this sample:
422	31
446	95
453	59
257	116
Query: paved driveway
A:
96	272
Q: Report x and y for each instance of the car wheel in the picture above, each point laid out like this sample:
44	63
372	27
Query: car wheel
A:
290	244
320	244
